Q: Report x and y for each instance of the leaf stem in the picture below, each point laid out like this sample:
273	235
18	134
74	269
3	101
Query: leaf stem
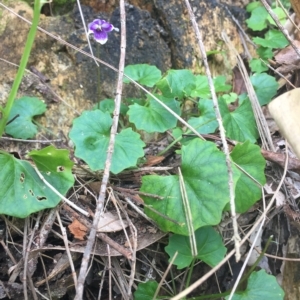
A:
28	46
191	269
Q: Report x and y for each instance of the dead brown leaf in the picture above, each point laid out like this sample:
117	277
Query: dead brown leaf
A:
78	229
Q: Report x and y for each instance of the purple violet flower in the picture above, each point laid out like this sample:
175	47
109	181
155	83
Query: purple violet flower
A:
100	28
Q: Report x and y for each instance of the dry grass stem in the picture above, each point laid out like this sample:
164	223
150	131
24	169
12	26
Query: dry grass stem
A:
188	215
261	122
236	238
66	242
165	275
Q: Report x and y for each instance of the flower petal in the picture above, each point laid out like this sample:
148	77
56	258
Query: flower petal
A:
95	24
107	26
100	37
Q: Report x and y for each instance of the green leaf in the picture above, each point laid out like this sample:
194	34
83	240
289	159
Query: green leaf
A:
265	87
23	192
221	85
91	134
229	98
146	291
142	73
207	122
22	127
249	158
239	124
251	6
257	66
258	19
55	161
205	176
273	39
260	286
264	53
177	84
154	118
108	105
279	12
209	245
131	101
202	88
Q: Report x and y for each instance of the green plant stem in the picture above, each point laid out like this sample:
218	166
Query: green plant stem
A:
23	63
188	281
246	276
98	73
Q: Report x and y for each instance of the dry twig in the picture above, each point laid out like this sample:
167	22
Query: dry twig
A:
102	193
236	238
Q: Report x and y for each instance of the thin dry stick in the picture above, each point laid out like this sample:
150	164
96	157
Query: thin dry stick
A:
114	201
260	119
6	249
86	32
133	260
58	38
102	281
132	242
109	272
188	215
25	260
237	281
139	211
119	277
121	249
45	274
102	193
223	261
27	250
165	275
65	239
236	238
46	227
30	141
283	30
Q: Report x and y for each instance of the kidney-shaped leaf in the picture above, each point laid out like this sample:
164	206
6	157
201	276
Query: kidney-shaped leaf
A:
207	122
265	87
209	245
177	83
260	286
154	118
143	74
23	192
91	133
25	108
239	124
206	181
249	158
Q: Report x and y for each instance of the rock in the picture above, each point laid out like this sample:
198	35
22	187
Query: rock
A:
72	75
160	36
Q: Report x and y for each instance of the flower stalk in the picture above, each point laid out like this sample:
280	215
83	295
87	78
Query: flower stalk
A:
5	112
